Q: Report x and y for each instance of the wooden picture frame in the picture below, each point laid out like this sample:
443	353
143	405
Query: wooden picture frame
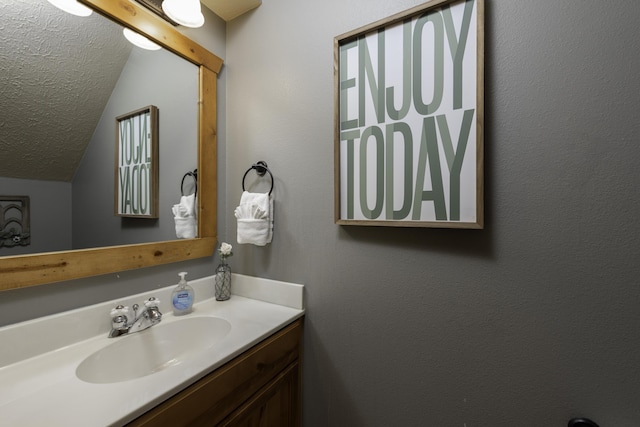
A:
136	164
409	119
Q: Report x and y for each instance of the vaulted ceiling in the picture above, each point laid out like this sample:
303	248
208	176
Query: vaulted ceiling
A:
58	71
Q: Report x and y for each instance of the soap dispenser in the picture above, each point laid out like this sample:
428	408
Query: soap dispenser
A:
182	297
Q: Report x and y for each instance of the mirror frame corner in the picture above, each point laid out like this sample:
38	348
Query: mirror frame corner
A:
39	269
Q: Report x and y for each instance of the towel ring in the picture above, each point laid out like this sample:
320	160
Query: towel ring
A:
261	169
194	175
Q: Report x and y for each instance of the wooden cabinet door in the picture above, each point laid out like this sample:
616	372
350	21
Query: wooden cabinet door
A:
275	405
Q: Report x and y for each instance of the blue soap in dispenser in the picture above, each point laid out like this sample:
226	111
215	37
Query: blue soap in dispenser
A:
182	297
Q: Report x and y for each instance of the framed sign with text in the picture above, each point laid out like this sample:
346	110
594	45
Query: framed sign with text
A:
409	119
136	168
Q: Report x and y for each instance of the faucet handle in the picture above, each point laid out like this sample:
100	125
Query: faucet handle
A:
152	302
119	317
120	310
153	311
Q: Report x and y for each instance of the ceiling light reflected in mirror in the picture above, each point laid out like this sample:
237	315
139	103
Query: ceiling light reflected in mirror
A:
72	7
139	40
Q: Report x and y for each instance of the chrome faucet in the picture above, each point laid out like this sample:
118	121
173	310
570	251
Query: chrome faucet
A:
148	316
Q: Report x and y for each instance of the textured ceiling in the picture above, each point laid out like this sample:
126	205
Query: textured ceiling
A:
57	72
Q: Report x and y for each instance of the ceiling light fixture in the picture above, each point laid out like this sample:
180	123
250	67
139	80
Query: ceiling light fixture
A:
139	40
184	12
72	6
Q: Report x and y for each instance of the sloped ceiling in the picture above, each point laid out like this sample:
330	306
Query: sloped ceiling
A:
57	72
230	9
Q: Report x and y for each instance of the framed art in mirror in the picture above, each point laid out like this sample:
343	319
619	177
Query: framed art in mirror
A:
136	170
409	116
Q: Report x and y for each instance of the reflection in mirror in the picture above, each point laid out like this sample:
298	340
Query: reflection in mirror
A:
65	81
43	268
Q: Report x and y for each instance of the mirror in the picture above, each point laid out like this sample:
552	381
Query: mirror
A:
29	270
65	80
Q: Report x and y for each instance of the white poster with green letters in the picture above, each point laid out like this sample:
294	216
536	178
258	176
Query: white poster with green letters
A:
409	119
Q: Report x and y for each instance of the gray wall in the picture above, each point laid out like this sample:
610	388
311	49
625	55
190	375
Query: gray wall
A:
529	322
170	83
23	304
49	214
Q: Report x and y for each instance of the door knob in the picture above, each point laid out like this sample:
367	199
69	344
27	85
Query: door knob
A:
582	422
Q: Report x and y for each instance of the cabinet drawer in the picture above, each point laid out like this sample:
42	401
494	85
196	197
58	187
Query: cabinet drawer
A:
214	397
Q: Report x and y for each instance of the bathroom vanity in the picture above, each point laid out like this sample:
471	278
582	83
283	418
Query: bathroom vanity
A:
260	387
229	363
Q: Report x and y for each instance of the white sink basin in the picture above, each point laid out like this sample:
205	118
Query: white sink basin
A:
152	350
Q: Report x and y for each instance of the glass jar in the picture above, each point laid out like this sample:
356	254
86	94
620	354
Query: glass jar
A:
223	282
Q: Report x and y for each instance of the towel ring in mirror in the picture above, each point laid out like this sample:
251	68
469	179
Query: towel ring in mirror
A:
194	175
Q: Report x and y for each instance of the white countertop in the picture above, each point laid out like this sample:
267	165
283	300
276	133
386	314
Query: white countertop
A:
38	382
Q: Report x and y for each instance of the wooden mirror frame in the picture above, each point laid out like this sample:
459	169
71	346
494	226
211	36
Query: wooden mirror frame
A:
30	270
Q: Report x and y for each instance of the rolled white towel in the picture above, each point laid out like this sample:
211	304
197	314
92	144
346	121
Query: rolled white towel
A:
255	218
184	215
185	227
253	231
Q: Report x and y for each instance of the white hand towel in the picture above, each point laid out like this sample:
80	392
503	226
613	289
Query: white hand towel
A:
255	219
184	215
190	203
